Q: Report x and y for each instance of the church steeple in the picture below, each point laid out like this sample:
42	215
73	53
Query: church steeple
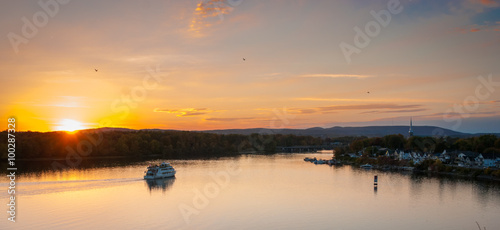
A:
410	132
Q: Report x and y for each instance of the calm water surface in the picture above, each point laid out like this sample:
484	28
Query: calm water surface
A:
250	192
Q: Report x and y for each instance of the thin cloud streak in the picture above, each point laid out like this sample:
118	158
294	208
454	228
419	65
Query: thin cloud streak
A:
375	108
371	100
489	3
228	119
336	76
396	111
188	112
366	106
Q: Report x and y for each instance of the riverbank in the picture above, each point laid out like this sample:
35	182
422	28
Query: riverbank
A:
479	174
429	167
247	190
489	174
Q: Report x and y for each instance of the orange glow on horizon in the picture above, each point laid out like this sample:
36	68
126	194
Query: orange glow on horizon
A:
69	125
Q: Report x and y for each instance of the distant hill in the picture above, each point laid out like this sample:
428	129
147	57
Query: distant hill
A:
337	131
369	131
109	129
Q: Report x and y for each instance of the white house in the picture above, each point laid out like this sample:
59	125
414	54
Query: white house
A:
468	158
489	159
479	160
404	156
445	157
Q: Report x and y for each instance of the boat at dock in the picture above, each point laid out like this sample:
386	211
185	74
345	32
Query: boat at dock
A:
309	159
163	170
366	166
320	162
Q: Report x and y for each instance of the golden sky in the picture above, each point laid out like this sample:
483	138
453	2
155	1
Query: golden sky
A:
214	64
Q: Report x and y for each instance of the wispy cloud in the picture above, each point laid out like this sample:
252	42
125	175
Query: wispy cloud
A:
440	116
336	75
335	99
366	106
489	3
374	108
396	111
188	112
491	27
208	13
404	100
304	111
226	119
271	76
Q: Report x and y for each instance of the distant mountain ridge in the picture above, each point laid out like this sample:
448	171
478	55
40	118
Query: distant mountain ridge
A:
337	131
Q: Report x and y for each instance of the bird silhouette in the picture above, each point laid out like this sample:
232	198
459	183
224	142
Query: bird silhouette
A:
368	92
244	59
95	70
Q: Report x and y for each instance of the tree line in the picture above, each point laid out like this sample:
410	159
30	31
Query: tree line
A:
195	145
482	144
166	144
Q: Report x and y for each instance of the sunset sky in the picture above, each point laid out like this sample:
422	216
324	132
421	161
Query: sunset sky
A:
179	64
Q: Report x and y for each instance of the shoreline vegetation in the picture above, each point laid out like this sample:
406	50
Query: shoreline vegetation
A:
94	146
428	167
382	153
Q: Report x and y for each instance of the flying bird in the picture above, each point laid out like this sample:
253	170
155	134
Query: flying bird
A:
244	59
368	92
95	70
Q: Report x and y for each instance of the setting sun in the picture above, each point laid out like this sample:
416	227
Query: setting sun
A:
69	125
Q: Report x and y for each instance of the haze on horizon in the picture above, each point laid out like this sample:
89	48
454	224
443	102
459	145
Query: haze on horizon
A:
214	64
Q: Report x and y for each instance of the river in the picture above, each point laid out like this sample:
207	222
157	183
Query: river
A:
250	192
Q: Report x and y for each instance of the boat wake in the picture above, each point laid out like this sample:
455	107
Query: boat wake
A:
44	187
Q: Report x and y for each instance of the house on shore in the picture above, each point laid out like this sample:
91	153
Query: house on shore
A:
488	159
466	159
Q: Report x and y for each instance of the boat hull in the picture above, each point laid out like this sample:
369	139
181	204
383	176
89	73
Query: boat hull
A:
152	177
